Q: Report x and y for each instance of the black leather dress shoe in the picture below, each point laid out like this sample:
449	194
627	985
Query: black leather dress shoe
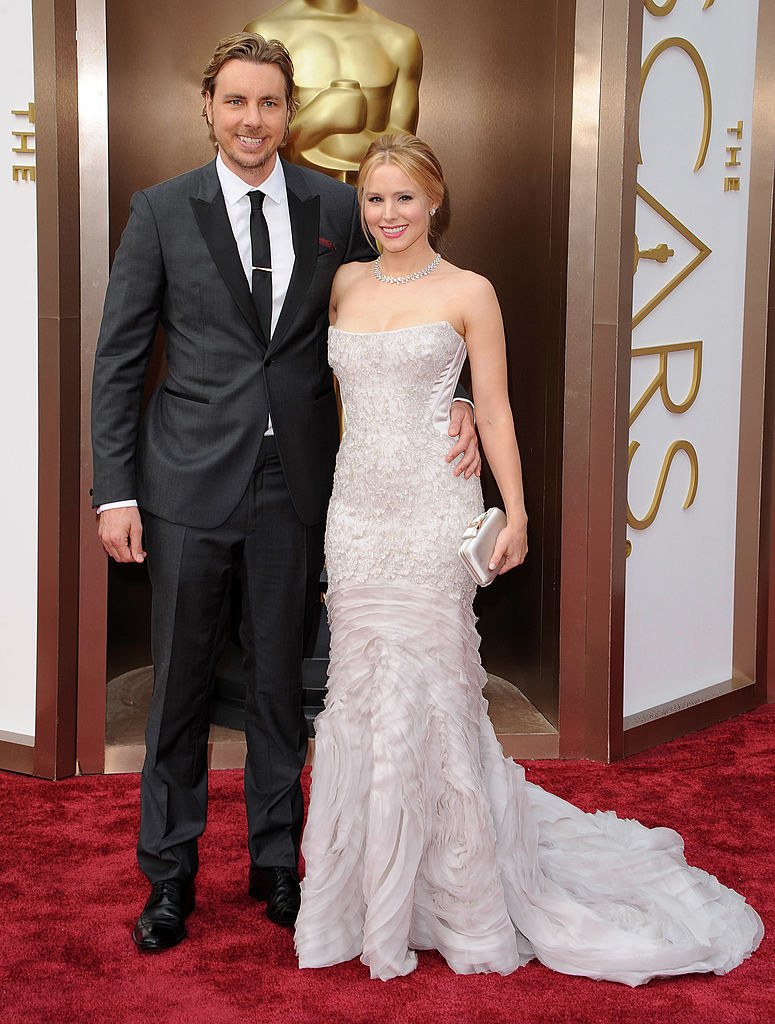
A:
279	887
162	923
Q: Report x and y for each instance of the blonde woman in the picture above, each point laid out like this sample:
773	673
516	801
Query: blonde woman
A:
420	834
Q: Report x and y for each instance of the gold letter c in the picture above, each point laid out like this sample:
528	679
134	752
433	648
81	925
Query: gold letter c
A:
696	59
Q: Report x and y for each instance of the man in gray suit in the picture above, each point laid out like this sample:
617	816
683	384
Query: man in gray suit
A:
230	469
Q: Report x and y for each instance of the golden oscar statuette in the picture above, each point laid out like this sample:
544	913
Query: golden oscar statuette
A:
357	75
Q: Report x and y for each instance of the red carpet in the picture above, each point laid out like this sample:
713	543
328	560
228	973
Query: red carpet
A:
71	891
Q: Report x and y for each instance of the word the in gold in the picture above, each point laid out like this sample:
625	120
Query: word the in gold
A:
24	139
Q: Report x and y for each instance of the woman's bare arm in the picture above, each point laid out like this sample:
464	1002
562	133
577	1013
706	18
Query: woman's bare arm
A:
486	346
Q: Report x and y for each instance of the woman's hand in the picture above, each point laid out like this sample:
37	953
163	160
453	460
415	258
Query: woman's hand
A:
511	545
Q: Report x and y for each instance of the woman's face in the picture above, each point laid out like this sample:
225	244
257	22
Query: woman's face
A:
396	209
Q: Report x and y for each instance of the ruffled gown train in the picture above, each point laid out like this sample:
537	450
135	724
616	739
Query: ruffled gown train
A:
420	834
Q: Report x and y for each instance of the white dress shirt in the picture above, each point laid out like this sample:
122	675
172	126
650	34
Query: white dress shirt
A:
278	221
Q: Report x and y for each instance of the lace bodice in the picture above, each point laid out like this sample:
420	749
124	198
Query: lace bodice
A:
397	509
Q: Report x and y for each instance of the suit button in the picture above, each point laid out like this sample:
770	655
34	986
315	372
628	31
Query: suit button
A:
267	362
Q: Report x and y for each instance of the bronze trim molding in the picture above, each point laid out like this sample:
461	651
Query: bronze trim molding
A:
95	263
766	648
690	719
751	596
689	700
760	322
16	757
599	332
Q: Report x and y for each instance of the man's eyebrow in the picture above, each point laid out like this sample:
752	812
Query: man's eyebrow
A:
242	96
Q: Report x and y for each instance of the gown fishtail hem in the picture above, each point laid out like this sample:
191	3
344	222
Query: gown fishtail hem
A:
421	835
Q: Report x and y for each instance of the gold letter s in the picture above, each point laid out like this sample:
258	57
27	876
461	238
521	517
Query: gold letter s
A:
651	515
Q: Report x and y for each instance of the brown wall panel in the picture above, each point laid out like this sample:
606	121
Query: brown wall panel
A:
601	229
495	103
58	386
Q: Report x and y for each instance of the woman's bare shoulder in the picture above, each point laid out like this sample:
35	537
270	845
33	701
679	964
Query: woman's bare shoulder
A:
474	284
348	273
347	277
472	289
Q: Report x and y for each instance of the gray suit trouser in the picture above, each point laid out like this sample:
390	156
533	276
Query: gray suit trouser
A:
279	561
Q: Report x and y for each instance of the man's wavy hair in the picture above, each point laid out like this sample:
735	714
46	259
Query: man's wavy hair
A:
254	49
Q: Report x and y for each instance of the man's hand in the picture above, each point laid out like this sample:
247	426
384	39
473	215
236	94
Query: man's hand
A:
121	533
461	426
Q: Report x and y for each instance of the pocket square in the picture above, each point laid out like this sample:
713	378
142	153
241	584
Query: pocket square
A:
324	246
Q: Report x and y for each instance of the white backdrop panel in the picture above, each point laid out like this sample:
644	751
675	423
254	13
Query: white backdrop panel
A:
19	406
680	573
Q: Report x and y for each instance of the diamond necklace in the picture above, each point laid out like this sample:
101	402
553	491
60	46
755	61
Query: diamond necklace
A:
407	277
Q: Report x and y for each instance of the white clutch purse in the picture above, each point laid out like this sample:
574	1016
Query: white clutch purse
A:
479	544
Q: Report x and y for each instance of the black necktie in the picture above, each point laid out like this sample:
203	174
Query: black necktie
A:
261	255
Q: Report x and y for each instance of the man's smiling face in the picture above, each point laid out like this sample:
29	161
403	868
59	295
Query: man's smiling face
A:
249	115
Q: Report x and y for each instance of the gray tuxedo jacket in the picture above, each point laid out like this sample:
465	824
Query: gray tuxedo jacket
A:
190	459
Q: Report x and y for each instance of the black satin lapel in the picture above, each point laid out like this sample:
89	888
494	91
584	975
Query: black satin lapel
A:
305	228
213	221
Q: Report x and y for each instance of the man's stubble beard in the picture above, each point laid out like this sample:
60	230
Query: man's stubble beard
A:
261	161
264	158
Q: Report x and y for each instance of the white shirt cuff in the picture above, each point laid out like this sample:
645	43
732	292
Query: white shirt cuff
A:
131	503
468	401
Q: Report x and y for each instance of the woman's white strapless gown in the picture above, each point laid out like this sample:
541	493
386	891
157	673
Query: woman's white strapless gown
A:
420	834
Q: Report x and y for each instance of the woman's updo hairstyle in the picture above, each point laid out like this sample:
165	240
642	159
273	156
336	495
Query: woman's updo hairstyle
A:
413	156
